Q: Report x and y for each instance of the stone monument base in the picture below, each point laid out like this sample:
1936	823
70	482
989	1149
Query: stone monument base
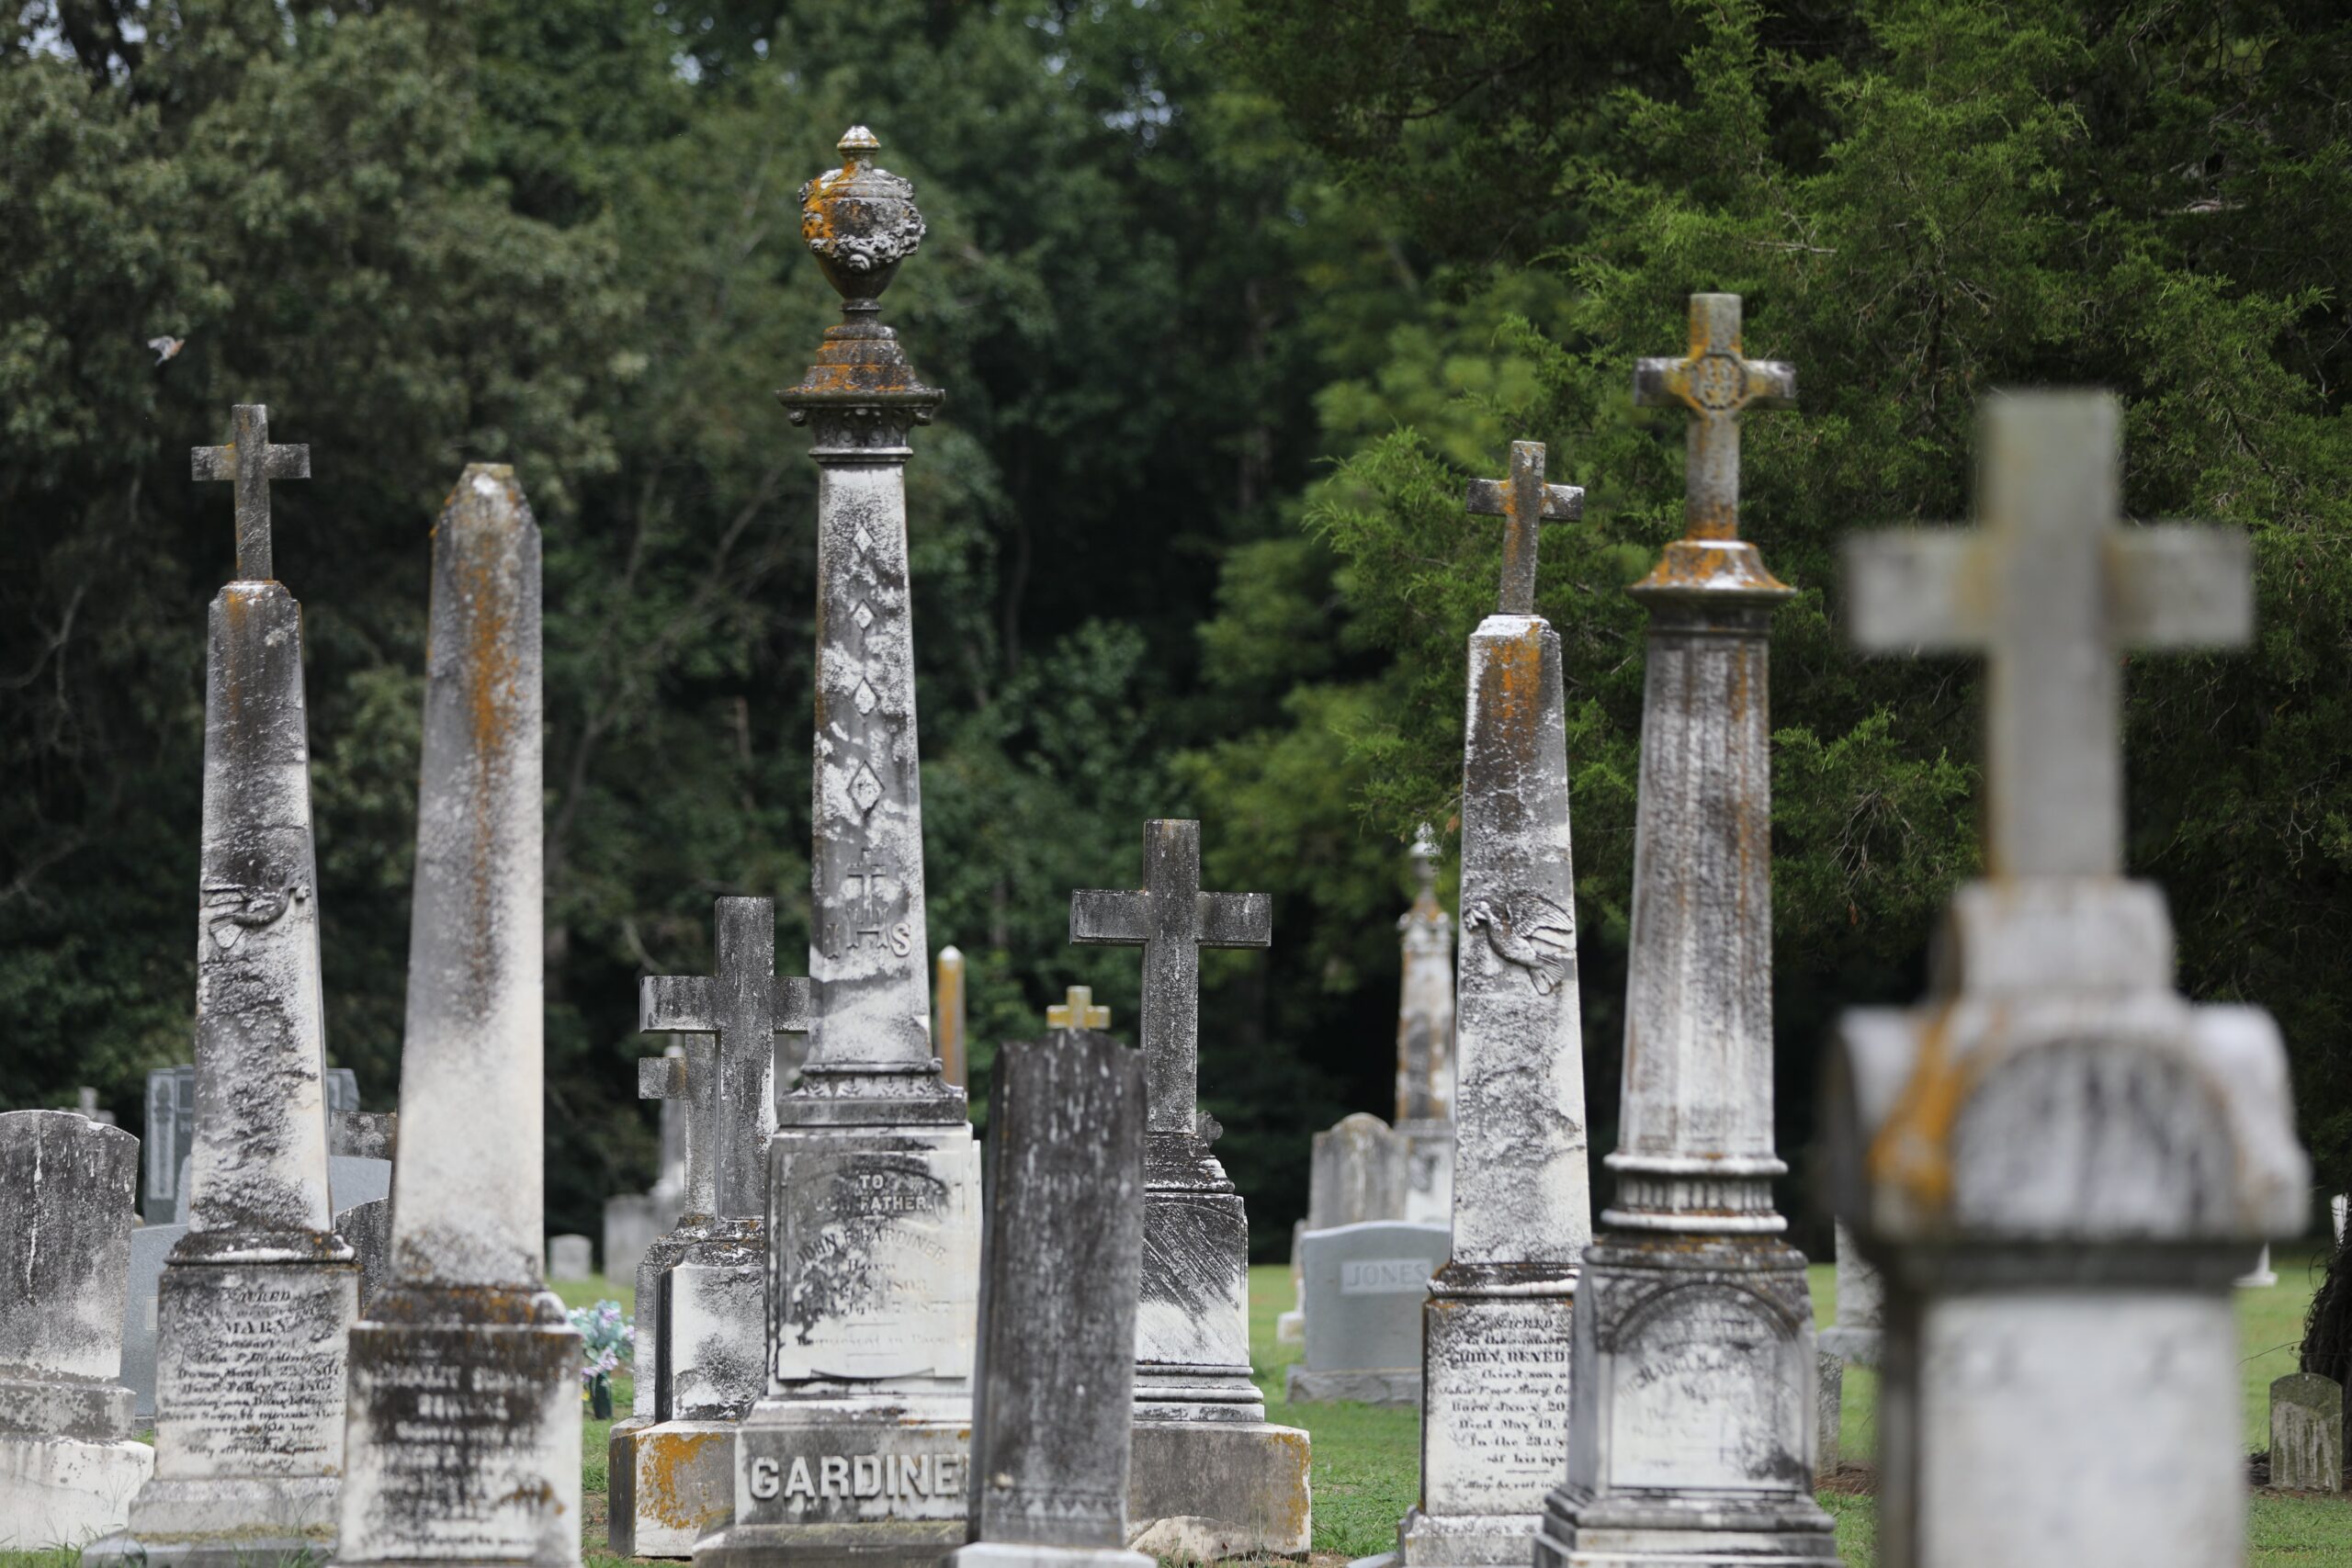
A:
1463	1540
65	1491
1011	1555
672	1483
868	1478
1392	1385
464	1439
1657	1474
1211	1489
225	1522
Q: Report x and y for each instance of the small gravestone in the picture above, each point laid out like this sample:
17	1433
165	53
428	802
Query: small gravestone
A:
359	1182
570	1258
68	1466
1862	1299
629	1231
1052	1410
1829	1410
2307	1433
1366	1287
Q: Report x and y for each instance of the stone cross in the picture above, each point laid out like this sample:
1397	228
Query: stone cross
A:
1716	383
2052	589
1078	1009
251	462
691	1078
1523	501
746	1005
1172	920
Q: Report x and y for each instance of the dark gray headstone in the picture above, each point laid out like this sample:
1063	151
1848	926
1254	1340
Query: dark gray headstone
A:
1061	1256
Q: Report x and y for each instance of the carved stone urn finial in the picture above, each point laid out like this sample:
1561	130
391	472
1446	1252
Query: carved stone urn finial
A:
860	221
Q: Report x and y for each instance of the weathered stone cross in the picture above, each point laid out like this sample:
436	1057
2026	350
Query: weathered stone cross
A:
1524	502
251	462
1078	1009
1716	382
2052	592
746	1006
1172	920
691	1075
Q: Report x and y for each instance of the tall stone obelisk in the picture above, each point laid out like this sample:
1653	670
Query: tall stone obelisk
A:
1495	1329
1694	1418
858	1445
257	1299
1425	1044
464	1442
2059	1162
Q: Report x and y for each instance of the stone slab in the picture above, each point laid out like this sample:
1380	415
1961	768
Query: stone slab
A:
89	1408
369	1228
1366	1285
65	1491
838	1480
2306	1433
570	1257
249	1378
715	1318
1495	1417
150	1244
1210	1490
671	1484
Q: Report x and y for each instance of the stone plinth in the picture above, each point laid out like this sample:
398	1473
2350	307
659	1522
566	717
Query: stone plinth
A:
68	1464
2306	1433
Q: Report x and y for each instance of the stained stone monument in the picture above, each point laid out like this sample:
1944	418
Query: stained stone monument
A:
1359	1172
464	1400
1855	1334
1425	1044
570	1257
2058	1162
873	1174
702	1348
1052	1394
1211	1479
1366	1287
68	1463
257	1299
2306	1433
1695	1420
1495	1330
948	996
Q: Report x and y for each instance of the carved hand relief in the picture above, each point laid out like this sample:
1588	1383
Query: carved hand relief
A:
1529	930
231	911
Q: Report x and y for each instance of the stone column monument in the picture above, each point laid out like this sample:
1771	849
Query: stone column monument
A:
1495	1329
1695	1417
1054	1404
1425	1044
258	1298
702	1325
68	1462
858	1445
1211	1479
464	1437
2057	1161
953	1064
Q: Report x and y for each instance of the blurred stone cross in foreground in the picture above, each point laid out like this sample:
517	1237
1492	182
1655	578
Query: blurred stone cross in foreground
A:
1716	381
251	462
2052	589
1524	502
1078	1009
1172	920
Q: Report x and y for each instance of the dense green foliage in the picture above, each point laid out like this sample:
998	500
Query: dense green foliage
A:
1228	298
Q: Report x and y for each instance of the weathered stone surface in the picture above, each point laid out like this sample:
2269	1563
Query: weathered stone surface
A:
1201	1490
1054	1392
1425	1046
1364	1288
170	1140
570	1257
463	1438
1495	1410
2059	1163
367	1228
67	1465
1357	1174
2306	1433
670	1484
1696	1413
1829	1406
1856	1334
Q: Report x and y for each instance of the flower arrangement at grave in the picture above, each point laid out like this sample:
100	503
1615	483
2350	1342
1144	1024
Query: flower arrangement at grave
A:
606	1339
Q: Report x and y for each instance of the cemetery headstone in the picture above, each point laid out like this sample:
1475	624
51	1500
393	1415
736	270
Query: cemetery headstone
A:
1425	1044
1054	1387
360	1146
2306	1433
1861	1307
1359	1172
2060	1162
1829	1411
1495	1329
1366	1284
68	1463
170	1140
570	1257
1211	1477
1693	1316
702	1349
464	1395
948	996
869	1350
256	1300
630	1229
87	1098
